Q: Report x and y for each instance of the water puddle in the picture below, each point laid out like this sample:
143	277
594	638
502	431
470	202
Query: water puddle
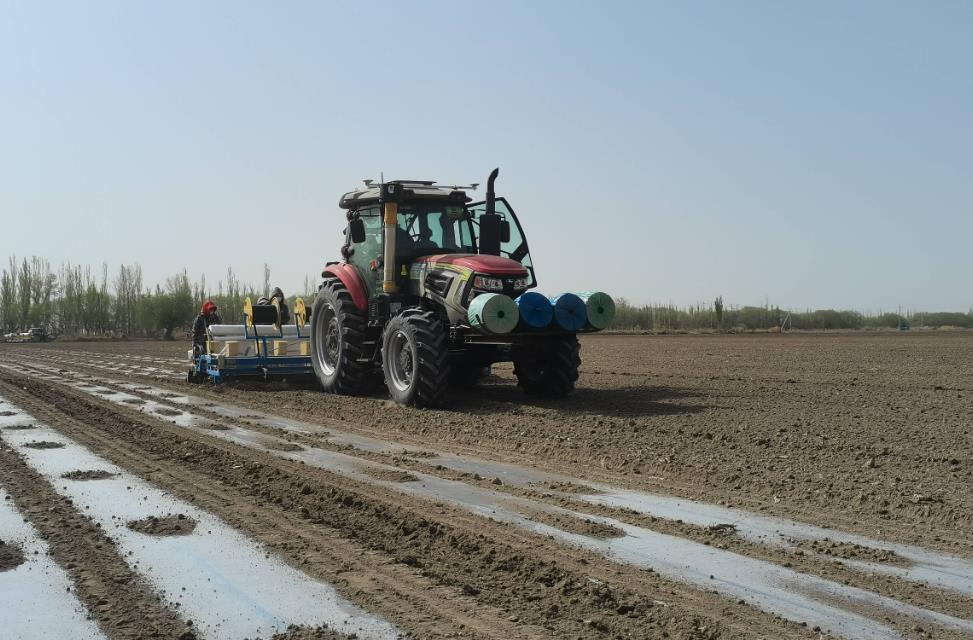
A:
227	584
36	593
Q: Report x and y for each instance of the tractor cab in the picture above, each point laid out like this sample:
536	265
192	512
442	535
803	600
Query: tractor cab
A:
433	288
395	226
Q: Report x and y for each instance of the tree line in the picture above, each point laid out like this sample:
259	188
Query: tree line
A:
78	301
720	317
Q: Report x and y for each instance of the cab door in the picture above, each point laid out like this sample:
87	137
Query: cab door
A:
514	247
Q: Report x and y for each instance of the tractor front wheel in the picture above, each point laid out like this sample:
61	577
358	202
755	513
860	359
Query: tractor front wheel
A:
414	358
551	371
337	334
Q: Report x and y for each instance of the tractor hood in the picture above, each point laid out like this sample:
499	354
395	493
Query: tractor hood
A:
483	264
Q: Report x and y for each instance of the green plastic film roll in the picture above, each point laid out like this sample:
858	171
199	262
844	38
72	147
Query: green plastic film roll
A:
493	313
601	308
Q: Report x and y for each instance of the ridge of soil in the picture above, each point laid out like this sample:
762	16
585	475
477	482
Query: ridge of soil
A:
169	525
11	556
124	605
532	581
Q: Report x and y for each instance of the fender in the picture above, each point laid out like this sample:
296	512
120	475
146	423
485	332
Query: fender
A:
349	277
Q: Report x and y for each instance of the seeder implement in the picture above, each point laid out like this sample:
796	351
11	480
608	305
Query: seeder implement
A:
261	347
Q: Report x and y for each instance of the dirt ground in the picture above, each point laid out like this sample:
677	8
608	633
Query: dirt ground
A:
862	434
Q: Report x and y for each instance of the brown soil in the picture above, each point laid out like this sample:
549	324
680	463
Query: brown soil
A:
285	446
851	551
392	476
11	556
7	414
520	585
170	525
88	475
164	411
572	524
570	487
19	427
44	444
123	604
866	433
306	633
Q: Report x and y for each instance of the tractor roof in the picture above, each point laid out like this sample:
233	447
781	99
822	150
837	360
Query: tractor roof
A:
404	191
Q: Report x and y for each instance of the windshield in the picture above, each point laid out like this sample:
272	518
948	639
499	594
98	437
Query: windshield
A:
514	247
431	228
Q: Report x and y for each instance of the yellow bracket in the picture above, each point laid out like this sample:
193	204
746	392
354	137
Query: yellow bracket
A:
276	304
300	313
248	311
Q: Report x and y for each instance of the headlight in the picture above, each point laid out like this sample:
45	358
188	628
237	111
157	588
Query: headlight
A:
521	283
488	284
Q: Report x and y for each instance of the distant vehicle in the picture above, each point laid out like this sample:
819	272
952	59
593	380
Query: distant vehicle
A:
34	334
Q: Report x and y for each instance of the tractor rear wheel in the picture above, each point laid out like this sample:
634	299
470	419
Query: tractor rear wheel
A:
414	358
550	372
337	334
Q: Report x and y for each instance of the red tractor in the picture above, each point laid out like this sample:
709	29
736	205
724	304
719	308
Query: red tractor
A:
431	292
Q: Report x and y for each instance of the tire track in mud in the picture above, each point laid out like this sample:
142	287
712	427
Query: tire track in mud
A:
533	581
755	569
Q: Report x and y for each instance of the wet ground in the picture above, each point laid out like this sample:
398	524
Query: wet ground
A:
694	487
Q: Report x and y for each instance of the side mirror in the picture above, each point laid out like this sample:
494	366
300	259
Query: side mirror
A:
491	229
504	232
357	229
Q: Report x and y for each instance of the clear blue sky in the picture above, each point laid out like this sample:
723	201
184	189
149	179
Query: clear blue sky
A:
815	154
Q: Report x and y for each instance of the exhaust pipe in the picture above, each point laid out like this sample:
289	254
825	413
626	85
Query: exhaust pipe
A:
491	196
490	221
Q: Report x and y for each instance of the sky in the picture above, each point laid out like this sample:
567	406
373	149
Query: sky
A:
809	155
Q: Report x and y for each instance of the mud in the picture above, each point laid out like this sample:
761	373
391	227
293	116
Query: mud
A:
121	602
11	556
170	525
866	436
575	525
392	475
641	546
88	475
44	444
851	551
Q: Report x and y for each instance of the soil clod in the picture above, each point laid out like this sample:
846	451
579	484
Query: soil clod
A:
44	444
88	475
170	525
11	556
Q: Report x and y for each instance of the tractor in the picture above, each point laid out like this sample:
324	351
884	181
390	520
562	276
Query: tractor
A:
430	292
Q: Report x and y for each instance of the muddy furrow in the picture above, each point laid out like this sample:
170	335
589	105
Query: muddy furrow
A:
906	562
408	425
533	580
121	601
641	547
38	596
184	552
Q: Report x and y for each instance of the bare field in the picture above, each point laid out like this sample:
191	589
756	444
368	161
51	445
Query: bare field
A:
694	487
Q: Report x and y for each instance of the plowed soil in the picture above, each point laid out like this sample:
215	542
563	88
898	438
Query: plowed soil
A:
865	433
